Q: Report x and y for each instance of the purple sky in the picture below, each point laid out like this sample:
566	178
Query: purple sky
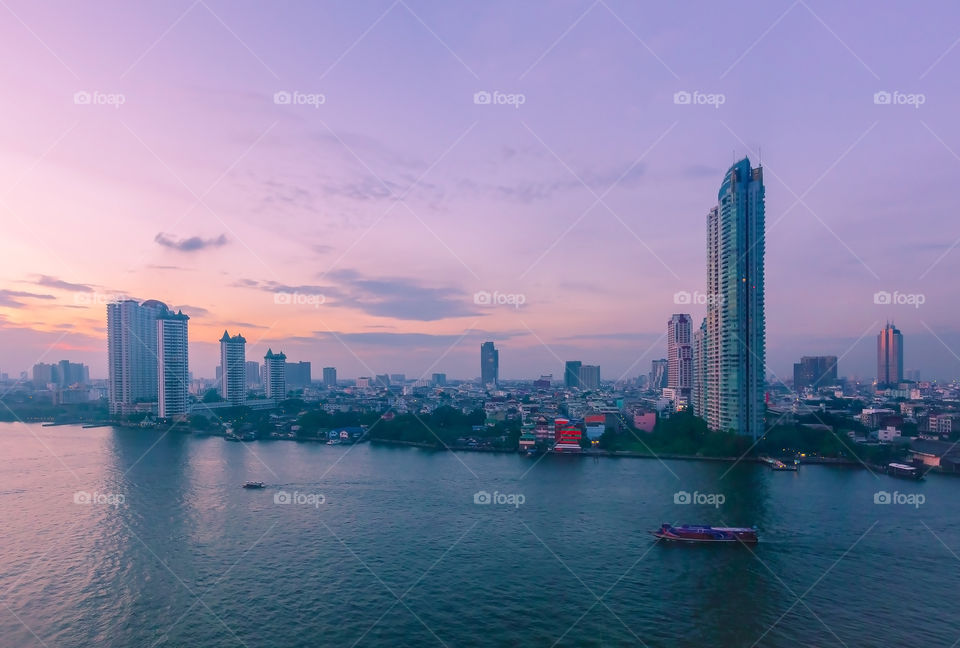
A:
398	198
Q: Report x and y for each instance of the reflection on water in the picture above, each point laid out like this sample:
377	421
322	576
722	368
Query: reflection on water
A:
190	558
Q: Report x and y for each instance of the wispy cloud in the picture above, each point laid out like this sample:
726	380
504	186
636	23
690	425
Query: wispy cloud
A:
191	244
12	298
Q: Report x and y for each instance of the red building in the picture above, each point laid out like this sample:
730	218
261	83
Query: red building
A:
567	436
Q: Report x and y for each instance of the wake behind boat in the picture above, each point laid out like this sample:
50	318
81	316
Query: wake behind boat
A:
254	484
693	533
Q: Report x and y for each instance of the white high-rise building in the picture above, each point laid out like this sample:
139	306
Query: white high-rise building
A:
233	368
735	341
132	353
275	374
680	356
173	373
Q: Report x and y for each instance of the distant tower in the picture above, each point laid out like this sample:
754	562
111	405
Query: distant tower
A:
173	372
233	368
275	374
330	376
489	364
889	356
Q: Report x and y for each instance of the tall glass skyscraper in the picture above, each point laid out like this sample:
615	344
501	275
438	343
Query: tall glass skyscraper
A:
132	353
889	356
734	342
489	364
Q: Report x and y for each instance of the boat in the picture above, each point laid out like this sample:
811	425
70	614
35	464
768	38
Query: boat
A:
904	471
696	533
253	484
777	464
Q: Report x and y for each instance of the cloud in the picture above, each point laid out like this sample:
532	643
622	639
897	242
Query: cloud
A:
192	311
401	298
11	298
54	282
397	340
531	191
191	244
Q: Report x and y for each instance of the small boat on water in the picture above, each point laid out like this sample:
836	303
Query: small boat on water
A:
777	464
253	484
694	533
904	471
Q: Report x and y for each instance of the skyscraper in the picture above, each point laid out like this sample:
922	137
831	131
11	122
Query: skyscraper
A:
173	373
659	371
132	353
489	364
439	380
275	374
233	368
680	355
815	371
298	375
571	374
889	356
253	373
330	376
735	336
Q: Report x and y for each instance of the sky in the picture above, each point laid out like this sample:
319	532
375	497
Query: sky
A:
381	186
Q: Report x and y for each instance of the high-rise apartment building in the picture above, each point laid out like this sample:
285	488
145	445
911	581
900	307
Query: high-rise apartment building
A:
330	376
589	377
173	372
489	364
735	369
298	375
439	380
889	356
275	374
132	353
253	374
680	355
698	390
659	373
814	371
233	368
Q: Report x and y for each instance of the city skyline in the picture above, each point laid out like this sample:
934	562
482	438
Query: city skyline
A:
284	219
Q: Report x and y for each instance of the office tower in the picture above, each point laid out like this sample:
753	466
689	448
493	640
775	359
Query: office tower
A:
889	356
589	377
698	390
173	373
330	376
439	380
680	355
659	372
571	374
253	373
735	339
233	368
814	372
489	364
44	374
382	380
298	375
132	353
275	374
